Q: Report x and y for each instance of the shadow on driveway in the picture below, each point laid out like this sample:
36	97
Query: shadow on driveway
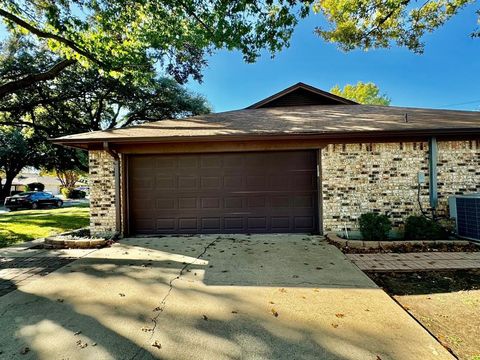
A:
249	297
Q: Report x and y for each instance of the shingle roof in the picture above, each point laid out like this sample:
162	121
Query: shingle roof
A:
323	121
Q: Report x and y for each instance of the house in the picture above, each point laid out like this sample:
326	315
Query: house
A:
302	160
52	184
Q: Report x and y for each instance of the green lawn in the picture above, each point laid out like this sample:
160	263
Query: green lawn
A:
26	225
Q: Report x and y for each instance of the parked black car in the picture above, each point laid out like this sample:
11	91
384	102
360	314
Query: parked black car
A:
32	200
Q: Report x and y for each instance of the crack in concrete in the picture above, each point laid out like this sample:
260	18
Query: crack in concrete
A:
163	303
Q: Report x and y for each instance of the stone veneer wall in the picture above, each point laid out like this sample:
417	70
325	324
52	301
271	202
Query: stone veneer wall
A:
358	178
102	193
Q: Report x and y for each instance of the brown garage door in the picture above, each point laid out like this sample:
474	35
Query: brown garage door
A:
256	192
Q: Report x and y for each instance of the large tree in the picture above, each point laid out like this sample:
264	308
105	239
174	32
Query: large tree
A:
363	93
81	100
17	150
138	39
369	24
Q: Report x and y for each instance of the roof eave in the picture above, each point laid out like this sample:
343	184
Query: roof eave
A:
350	136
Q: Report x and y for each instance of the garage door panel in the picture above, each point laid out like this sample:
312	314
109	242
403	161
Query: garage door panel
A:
187	203
186	183
165	204
166	224
280	223
210	182
233	203
187	162
223	193
211	223
187	224
303	222
164	162
165	182
257	223
234	223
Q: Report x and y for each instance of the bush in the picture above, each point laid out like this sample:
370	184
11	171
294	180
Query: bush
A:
35	186
73	193
374	227
421	228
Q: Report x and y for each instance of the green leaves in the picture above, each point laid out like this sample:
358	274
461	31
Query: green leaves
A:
369	24
134	39
363	93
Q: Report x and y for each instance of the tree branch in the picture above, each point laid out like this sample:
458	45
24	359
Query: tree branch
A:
46	35
386	17
31	79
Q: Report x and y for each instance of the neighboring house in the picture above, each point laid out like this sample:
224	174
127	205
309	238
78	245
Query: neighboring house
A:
302	160
16	186
52	184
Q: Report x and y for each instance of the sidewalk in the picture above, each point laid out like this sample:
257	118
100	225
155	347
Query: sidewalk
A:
416	261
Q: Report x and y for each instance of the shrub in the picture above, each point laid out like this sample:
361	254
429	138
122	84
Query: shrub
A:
421	228
35	186
374	227
73	193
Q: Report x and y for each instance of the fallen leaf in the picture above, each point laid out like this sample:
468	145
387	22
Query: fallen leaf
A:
205	317
81	344
275	313
156	344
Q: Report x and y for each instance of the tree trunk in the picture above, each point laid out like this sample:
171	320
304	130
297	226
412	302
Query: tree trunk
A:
5	189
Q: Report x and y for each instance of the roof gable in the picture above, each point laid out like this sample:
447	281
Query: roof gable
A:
301	95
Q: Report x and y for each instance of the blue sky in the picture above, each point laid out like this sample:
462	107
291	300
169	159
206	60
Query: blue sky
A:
448	73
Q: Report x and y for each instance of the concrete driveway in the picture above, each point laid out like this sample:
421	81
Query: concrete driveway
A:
226	297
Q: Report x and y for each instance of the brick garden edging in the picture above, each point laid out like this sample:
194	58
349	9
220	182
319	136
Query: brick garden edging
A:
361	244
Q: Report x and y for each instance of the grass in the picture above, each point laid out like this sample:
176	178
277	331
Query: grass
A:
26	225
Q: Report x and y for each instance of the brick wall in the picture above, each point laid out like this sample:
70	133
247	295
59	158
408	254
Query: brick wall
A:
358	178
102	193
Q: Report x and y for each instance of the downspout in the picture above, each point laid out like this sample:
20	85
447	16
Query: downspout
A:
116	157
432	170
